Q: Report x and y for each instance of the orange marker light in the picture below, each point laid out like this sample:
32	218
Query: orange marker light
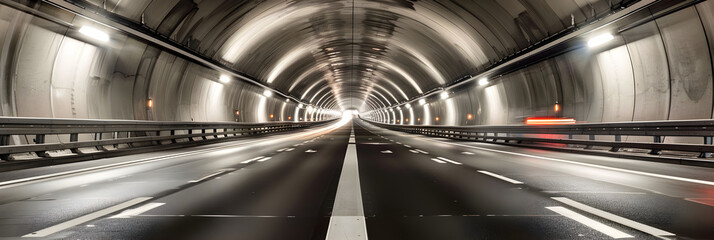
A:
437	119
290	117
469	116
406	120
549	121
150	103
556	107
418	119
271	115
237	112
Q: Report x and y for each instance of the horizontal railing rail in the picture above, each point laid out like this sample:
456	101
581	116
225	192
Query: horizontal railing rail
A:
76	135
567	134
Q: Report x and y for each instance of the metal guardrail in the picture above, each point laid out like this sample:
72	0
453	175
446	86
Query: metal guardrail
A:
564	134
76	134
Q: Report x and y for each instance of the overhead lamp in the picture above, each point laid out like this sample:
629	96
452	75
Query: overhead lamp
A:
444	95
267	93
310	109
94	33
300	105
287	100
408	105
600	40
422	101
224	78
483	81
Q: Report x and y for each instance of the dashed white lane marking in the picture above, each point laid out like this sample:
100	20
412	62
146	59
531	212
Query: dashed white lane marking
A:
289	149
212	175
398	143
467	153
136	211
252	159
437	160
413	151
86	218
501	177
585	164
407	146
607	230
421	151
386	151
612	217
347	220
311	151
449	160
596	192
264	159
282	149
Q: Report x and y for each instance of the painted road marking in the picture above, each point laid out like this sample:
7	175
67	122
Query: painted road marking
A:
612	217
586	164
265	159
252	159
407	146
347	220
421	151
437	160
607	230
467	153
386	151
501	177
311	151
289	149
449	160
137	211
86	218
413	151
212	175
282	149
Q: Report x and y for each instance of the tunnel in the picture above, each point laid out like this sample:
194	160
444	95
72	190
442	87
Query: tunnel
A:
356	119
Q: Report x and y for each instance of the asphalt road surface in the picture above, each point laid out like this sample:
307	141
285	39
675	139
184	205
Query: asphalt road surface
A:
323	183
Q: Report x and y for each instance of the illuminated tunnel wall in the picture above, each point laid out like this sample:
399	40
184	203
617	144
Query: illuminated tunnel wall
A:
656	70
50	70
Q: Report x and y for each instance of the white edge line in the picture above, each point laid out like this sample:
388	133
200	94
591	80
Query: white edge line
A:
612	217
137	211
600	227
588	164
86	218
501	177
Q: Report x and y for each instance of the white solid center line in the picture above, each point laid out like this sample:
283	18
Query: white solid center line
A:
586	164
437	160
449	160
347	220
612	217
212	175
500	177
607	230
252	159
86	218
136	211
265	159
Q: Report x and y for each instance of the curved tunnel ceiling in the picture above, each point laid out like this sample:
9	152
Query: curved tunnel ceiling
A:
358	53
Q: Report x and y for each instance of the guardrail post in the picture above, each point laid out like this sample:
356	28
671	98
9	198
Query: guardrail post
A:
657	139
4	141
215	131
74	137
618	138
203	131
173	133
225	132
591	138
495	135
190	131
707	141
40	139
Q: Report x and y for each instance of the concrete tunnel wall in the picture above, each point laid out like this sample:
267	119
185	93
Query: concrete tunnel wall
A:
49	70
658	70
